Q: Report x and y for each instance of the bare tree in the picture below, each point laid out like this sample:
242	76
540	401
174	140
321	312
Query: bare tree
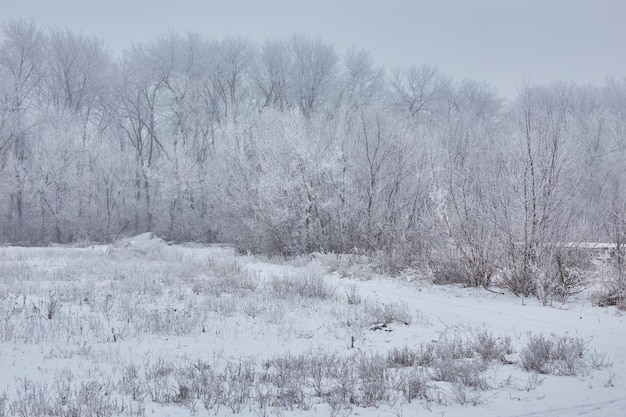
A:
361	82
78	69
272	75
230	76
418	91
313	74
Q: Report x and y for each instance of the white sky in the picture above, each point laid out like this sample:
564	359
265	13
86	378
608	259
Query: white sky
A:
503	42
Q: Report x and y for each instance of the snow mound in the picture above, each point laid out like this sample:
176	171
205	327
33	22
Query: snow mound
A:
145	244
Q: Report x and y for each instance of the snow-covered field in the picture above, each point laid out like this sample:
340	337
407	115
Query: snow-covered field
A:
141	328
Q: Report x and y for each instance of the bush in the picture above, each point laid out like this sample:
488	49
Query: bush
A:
414	384
556	355
556	273
467	371
373	380
612	286
390	313
448	272
490	348
405	357
570	277
402	357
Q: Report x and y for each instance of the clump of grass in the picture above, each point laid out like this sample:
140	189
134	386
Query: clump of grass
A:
68	396
312	286
352	295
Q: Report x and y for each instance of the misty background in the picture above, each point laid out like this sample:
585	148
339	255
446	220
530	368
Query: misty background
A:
506	43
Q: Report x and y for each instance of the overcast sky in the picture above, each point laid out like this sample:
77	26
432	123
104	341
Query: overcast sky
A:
503	42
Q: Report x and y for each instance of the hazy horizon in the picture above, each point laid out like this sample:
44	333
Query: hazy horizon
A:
505	43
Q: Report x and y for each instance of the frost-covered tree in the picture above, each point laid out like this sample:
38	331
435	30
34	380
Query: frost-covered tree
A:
20	76
143	81
281	187
545	187
469	193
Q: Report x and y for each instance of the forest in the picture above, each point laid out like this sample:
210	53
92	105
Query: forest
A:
290	147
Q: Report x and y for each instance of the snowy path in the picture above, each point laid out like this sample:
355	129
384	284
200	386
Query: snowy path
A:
603	408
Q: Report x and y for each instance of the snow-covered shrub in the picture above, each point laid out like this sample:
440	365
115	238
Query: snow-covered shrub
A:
287	376
469	372
375	315
482	346
423	356
556	355
553	272
390	313
362	380
490	348
520	278
537	354
447	272
373	380
473	269
456	360
461	394
563	275
402	357
452	345
414	384
611	285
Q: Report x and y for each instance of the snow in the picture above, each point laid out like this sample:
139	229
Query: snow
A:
87	314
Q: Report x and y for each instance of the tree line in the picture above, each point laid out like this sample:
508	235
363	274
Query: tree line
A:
290	146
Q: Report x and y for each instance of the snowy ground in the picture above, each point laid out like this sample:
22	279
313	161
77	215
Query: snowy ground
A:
143	328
